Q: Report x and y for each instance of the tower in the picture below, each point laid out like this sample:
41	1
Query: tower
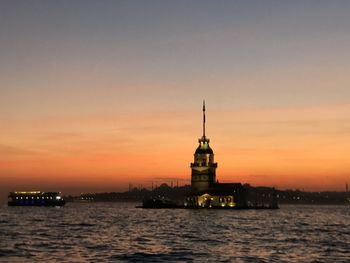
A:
203	174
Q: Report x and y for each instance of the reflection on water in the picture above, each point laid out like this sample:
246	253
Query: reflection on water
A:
112	232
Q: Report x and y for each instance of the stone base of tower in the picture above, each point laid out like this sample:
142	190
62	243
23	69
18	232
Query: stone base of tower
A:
199	186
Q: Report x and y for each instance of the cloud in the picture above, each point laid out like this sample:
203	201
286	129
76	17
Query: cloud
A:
8	150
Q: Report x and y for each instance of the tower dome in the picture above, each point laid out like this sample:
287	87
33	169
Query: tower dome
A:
203	147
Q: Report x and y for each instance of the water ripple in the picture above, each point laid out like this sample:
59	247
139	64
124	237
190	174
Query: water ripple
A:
101	232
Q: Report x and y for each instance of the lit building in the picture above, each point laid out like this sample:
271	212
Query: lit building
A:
206	190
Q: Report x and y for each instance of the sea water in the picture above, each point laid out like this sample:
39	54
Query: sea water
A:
119	232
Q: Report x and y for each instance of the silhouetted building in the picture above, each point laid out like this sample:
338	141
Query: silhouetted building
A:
203	168
206	191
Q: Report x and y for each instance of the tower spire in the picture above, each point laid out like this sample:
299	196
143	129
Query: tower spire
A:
203	118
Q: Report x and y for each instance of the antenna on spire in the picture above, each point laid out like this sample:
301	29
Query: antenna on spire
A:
203	118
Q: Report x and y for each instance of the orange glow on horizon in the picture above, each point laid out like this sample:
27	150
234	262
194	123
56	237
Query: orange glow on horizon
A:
151	148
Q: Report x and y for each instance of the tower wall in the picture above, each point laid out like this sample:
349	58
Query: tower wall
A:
203	169
202	180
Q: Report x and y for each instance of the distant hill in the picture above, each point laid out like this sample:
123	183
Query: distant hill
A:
177	193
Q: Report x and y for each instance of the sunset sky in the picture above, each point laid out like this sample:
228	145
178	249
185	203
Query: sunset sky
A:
95	95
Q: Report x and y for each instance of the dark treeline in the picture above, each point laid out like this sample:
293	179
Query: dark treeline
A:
135	194
322	198
178	193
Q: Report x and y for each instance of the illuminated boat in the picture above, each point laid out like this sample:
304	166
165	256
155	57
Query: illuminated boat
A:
35	198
